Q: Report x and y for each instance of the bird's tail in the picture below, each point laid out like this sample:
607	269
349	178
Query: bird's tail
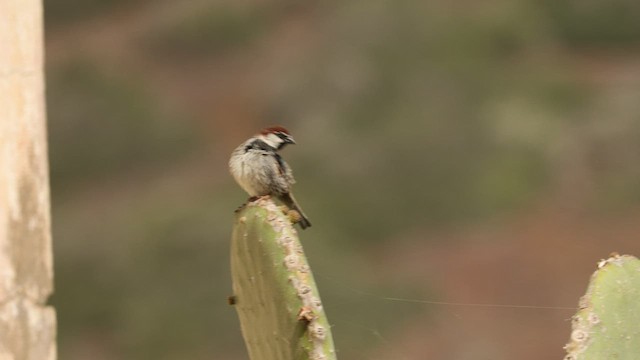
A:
291	203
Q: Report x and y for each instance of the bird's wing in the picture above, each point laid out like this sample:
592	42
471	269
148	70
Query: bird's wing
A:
285	169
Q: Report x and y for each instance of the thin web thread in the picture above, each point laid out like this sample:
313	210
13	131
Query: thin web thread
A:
509	306
447	303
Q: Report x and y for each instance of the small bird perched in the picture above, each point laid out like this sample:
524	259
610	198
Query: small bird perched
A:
260	170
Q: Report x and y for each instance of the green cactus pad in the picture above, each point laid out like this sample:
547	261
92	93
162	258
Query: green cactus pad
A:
607	325
276	298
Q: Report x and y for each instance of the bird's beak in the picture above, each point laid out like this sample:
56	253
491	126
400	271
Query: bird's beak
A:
289	140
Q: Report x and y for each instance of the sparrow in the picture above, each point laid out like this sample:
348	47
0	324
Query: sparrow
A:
260	170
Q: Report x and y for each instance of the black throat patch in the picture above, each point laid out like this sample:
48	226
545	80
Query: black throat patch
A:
258	144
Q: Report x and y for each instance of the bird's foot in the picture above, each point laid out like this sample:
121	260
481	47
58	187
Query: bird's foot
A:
240	207
259	197
250	200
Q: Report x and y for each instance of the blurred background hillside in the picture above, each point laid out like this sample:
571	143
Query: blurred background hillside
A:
456	151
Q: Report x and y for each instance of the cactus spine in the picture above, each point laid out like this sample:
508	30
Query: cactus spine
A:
275	295
607	324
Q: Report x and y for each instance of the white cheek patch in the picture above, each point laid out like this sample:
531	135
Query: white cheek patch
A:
273	140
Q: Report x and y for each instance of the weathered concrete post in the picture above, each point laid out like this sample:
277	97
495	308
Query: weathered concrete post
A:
27	325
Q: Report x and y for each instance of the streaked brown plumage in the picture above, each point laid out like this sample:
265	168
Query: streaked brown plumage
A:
260	170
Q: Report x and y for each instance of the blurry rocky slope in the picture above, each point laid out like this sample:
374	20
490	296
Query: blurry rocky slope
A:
440	143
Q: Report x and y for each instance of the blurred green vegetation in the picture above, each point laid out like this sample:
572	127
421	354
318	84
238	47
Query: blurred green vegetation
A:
217	30
214	31
107	123
410	116
612	24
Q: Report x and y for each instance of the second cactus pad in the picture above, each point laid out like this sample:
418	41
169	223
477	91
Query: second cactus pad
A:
607	325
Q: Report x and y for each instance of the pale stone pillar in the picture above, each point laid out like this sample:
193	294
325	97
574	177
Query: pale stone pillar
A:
27	325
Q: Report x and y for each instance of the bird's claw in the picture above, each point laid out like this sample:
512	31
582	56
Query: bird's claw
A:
259	197
240	208
250	200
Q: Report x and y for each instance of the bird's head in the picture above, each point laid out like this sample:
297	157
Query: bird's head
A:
276	137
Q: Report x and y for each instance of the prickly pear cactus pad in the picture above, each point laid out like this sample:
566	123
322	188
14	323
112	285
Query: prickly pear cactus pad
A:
276	298
607	325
